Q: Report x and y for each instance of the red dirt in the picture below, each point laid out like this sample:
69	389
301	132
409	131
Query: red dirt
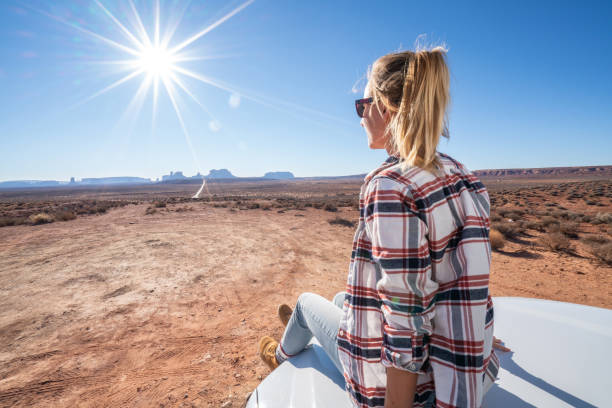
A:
124	309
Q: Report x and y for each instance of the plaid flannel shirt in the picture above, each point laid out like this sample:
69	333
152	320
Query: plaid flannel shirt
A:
418	287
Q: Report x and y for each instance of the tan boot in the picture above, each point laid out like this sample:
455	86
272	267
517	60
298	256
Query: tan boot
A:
267	351
284	313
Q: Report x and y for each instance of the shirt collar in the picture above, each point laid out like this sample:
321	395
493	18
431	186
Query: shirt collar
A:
391	161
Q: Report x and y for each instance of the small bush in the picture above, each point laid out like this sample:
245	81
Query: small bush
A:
534	225
330	207
341	221
150	210
41	218
603	252
602	218
64	216
569	229
594	240
10	221
556	241
547	221
159	204
508	229
495	218
497	239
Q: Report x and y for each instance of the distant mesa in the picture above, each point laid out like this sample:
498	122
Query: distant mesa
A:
221	173
180	178
279	175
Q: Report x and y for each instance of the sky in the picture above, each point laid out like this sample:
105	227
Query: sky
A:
270	86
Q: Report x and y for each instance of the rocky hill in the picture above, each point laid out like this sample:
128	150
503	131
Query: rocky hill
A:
548	172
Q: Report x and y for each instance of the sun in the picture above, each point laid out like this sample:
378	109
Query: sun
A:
156	61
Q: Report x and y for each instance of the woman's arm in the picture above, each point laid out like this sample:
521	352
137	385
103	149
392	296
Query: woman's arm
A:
406	289
401	387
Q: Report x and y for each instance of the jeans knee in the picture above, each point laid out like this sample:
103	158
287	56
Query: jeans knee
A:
339	299
303	299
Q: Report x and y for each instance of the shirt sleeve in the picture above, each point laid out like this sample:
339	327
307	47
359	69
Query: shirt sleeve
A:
400	247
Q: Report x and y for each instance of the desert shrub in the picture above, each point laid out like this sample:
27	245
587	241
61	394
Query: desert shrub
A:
556	241
341	221
594	239
602	252
150	210
159	204
574	216
511	213
330	207
64	216
590	202
547	221
508	229
534	225
497	239
602	218
252	206
10	221
569	229
495	218
41	218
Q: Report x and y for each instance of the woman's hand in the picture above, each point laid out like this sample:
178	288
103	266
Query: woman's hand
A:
497	344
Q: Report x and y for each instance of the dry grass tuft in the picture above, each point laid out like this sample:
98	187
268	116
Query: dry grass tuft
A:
64	216
10	221
556	241
603	252
508	229
41	218
497	240
602	218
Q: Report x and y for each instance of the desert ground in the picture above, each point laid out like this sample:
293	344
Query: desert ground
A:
141	296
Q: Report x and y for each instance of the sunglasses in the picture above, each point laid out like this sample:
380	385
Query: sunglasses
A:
360	105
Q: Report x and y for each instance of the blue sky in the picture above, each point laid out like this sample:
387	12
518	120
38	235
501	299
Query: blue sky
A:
530	86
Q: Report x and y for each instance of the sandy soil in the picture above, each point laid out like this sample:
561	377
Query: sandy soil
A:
127	309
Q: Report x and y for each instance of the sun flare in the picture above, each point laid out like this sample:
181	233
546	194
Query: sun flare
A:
156	61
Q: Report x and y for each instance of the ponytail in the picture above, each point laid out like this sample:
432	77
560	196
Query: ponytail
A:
414	87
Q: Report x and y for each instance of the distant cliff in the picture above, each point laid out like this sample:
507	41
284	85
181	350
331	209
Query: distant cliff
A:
279	175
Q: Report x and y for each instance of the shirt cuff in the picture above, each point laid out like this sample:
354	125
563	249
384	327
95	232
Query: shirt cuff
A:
405	351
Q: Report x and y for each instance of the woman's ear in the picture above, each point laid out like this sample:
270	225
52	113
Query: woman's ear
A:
386	116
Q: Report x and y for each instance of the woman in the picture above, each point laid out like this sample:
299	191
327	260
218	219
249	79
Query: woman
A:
415	326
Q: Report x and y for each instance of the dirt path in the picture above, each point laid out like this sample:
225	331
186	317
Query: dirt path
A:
124	309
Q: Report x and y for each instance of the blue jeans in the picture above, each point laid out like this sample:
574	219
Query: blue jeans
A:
313	316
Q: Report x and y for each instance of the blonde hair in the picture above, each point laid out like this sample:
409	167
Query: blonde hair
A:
414	87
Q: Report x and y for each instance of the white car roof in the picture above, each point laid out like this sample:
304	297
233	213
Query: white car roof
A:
560	358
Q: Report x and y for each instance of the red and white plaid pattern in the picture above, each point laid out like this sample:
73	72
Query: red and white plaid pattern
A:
418	287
